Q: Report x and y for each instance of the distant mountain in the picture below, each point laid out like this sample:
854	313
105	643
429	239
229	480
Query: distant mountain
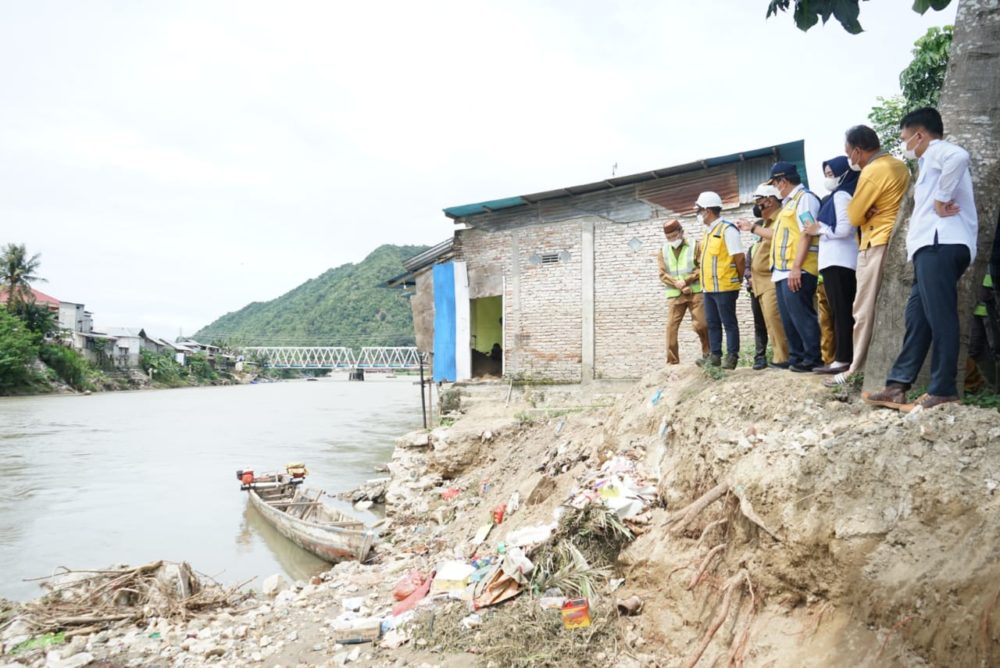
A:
345	306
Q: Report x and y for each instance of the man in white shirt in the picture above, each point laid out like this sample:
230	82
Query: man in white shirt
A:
941	243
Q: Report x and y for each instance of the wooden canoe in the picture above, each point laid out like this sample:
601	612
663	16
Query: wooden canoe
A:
312	525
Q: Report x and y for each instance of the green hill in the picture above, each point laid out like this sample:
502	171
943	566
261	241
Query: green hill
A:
345	306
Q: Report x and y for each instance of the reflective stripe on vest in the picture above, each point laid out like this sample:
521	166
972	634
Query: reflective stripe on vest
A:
718	270
981	307
786	240
680	267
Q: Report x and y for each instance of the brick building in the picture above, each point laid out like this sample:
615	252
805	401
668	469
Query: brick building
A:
563	284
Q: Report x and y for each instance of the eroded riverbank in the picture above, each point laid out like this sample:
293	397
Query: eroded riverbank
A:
832	535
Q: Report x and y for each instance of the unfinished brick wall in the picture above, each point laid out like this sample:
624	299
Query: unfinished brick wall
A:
630	307
543	302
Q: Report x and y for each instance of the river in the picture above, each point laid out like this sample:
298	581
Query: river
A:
132	477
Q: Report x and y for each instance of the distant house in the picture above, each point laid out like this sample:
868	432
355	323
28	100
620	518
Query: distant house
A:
563	285
129	342
74	317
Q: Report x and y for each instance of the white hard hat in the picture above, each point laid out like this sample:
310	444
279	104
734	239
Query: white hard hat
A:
767	190
708	199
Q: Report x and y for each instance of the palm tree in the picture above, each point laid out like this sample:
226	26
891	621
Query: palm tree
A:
17	271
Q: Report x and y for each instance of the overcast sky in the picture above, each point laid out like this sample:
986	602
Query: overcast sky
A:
173	161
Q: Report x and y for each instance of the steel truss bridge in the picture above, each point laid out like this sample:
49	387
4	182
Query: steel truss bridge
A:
320	357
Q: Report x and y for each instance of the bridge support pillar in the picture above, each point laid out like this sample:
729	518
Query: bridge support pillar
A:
356	374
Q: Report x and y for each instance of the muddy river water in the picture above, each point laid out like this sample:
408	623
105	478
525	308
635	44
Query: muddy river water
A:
131	477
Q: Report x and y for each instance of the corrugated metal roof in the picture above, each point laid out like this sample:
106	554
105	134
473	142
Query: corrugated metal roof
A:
790	151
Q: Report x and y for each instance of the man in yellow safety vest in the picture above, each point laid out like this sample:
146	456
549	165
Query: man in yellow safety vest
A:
722	264
679	274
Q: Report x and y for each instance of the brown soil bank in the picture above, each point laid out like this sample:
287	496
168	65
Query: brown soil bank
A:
828	533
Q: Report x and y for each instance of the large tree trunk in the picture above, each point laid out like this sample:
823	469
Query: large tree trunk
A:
970	106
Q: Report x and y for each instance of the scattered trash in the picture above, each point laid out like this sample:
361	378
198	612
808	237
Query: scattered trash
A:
560	425
655	399
46	640
630	606
352	604
513	503
411	601
394	622
505	580
472	620
394	639
450	493
408	584
452	577
481	534
155	635
551	602
498	513
531	535
614	584
664	427
576	613
354	631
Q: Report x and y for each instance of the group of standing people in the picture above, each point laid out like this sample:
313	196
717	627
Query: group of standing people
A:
815	267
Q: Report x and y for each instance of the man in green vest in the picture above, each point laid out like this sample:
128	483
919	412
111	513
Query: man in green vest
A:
681	278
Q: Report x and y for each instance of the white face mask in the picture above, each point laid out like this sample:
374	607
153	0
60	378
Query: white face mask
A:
675	243
831	183
908	153
701	219
853	165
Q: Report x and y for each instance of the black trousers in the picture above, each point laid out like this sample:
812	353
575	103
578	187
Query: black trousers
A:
841	285
759	329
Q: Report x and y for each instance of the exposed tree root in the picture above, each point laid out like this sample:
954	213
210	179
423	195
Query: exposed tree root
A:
696	578
684	517
710	526
731	586
984	630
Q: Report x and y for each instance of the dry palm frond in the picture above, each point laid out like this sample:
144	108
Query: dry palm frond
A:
564	567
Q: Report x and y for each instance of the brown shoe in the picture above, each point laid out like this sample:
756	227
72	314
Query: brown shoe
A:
926	401
893	396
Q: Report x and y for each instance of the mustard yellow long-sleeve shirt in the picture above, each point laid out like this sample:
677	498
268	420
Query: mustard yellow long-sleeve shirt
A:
882	184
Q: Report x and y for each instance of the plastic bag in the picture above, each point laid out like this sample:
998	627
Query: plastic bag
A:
408	584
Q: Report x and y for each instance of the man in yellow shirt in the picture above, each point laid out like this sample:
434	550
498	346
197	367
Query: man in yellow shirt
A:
881	186
679	273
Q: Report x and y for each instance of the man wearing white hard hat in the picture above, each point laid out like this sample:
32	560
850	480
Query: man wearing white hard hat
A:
767	317
722	265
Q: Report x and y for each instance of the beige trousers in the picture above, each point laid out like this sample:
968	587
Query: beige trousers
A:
827	344
869	274
676	308
775	330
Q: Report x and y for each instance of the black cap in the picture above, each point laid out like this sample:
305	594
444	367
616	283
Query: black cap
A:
783	169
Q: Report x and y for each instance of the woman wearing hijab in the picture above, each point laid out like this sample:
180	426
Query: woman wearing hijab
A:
838	257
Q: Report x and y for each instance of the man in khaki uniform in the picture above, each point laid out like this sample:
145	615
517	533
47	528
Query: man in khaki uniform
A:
681	278
767	203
